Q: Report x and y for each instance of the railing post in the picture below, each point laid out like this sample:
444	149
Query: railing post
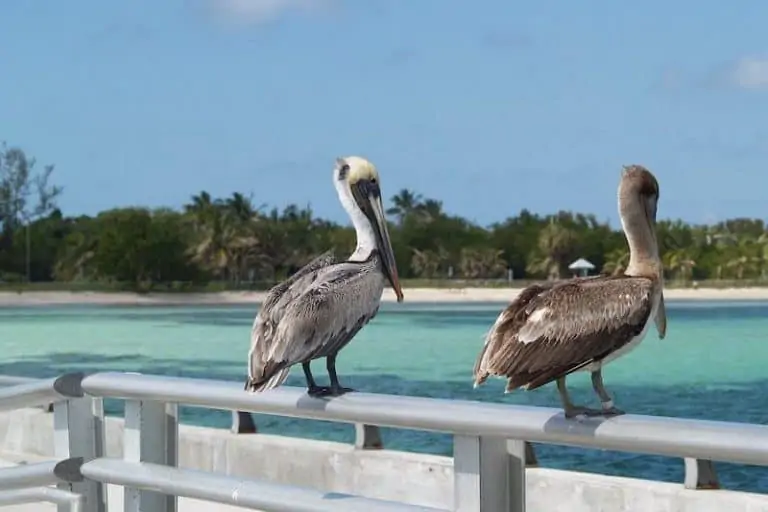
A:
151	435
530	456
489	474
242	423
700	474
368	437
78	432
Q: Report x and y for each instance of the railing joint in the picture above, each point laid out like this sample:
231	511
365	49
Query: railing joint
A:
70	385
69	469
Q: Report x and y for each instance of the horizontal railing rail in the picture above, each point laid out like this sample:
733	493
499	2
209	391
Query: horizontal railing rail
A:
233	491
490	447
41	392
78	436
674	437
41	474
67	501
12	380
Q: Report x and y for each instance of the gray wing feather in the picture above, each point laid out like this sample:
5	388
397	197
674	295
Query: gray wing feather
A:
260	373
328	313
556	330
319	314
282	293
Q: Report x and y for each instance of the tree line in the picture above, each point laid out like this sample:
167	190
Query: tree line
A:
237	244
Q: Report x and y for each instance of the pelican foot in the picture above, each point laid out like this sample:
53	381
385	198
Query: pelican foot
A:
319	391
578	410
339	390
612	411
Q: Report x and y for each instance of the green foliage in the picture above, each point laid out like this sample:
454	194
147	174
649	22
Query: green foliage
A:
229	243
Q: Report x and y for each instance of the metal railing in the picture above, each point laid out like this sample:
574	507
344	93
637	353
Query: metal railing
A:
77	429
489	442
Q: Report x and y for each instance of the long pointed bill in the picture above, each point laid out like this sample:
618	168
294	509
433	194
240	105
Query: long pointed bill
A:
368	196
661	318
385	245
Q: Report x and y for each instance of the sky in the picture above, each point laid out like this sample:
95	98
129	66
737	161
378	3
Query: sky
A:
490	106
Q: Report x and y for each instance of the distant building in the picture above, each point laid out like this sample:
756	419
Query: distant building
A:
581	267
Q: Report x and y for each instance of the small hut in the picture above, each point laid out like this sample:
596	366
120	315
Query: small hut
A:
581	267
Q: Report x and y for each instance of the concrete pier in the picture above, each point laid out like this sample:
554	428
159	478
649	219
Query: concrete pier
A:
27	435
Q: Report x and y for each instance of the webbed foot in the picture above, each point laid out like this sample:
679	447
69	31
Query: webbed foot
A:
339	390
612	411
319	391
577	410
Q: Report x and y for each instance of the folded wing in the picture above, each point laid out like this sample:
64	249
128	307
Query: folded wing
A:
550	331
328	308
262	375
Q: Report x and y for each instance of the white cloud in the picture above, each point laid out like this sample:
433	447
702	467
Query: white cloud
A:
750	73
261	11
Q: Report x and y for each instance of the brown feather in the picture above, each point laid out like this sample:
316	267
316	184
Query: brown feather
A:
549	331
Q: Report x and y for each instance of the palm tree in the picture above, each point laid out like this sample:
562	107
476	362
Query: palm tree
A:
616	262
425	264
482	263
431	210
680	263
240	207
404	203
556	246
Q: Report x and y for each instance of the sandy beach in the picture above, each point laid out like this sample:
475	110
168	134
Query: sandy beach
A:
434	295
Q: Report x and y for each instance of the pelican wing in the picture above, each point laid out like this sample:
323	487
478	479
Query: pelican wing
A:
281	294
328	313
329	306
272	310
551	331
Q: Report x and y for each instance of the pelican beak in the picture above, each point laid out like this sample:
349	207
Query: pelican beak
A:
661	318
368	196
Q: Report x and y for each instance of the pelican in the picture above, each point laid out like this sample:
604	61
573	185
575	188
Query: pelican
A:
320	308
553	329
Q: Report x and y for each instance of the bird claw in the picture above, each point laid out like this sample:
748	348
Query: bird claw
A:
339	390
577	410
319	391
322	391
612	411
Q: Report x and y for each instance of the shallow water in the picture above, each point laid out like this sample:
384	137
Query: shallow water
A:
711	365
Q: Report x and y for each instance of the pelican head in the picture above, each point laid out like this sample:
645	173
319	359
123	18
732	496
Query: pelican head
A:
638	202
640	183
357	179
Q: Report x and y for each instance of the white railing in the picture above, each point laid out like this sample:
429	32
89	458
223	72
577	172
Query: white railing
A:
78	436
489	442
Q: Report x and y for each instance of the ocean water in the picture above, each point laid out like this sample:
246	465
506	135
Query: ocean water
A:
713	364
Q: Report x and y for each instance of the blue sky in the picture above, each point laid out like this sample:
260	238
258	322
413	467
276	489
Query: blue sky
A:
491	106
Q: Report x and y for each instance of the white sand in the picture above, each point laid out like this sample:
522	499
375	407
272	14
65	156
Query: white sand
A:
440	295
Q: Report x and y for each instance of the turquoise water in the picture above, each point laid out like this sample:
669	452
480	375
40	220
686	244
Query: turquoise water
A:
712	365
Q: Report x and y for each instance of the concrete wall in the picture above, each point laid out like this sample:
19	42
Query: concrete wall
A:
416	478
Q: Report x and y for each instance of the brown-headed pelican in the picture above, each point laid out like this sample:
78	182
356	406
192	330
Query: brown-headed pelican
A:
553	329
320	308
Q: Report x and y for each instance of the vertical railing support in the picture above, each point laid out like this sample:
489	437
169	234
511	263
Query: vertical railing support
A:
242	423
700	474
489	474
78	432
151	435
530	456
368	437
